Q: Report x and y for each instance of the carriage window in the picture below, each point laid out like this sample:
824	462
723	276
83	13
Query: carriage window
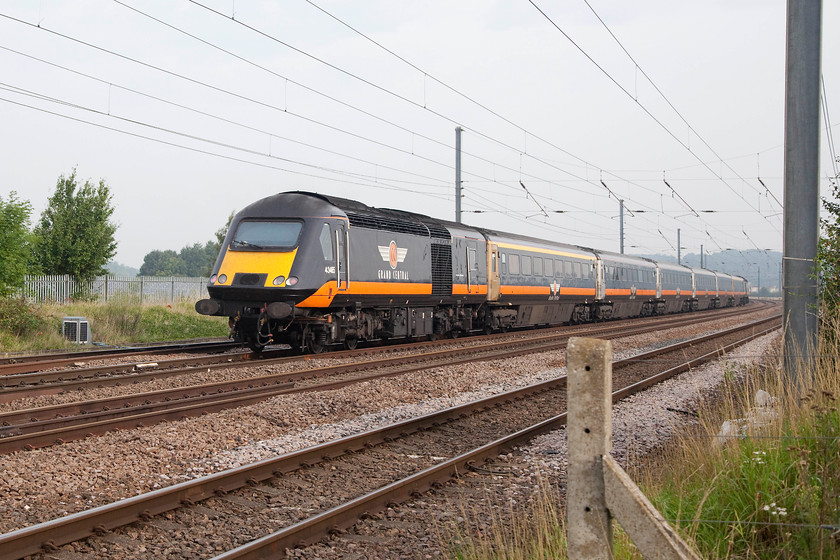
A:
526	265
567	267
538	266
578	271
513	265
549	267
326	242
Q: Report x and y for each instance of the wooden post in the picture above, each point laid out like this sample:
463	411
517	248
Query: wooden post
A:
598	489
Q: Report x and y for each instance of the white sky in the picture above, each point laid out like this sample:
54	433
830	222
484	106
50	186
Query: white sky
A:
390	142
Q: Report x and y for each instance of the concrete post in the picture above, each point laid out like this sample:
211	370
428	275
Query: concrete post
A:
598	489
589	428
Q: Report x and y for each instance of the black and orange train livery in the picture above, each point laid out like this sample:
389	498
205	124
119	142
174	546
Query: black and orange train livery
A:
311	270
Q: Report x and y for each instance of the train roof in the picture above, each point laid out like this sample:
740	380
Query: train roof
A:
513	238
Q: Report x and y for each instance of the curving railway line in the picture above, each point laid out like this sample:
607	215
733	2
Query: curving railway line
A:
27	429
325	488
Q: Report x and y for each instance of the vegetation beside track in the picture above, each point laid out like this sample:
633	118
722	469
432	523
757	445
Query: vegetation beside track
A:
772	494
33	327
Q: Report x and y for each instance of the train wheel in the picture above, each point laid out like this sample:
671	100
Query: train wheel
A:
351	342
317	342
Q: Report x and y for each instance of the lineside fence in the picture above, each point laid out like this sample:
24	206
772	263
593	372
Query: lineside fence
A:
142	289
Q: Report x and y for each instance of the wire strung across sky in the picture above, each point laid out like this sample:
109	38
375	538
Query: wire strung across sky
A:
437	113
437	183
274	107
645	109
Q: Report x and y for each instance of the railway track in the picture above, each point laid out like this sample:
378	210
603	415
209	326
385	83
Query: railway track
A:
38	362
31	428
327	487
35	383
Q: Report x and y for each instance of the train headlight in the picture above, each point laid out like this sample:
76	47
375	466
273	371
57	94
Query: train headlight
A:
222	278
213	279
292	281
279	280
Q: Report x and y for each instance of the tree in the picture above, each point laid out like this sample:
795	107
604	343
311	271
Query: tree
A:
15	249
192	260
828	251
162	263
221	233
76	235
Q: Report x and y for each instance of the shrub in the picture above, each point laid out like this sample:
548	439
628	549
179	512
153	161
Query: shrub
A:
19	318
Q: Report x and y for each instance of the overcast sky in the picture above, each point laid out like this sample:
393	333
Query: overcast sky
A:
191	110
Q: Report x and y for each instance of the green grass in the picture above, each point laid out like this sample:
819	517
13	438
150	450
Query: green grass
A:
768	494
26	327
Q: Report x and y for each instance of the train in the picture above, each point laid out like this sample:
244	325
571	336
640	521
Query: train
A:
312	271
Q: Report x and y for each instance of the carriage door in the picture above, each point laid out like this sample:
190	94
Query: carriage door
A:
342	257
600	287
493	263
472	267
658	283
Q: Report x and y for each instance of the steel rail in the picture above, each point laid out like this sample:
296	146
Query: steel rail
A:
77	420
26	363
16	386
51	534
22	376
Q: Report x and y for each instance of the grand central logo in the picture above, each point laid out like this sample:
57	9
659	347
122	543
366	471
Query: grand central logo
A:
392	255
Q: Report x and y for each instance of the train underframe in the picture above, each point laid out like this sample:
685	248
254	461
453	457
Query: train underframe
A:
311	331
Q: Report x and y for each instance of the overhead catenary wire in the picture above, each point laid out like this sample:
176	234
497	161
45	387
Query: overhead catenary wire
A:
332	98
223	119
355	76
222	90
206	152
403	98
670	104
461	93
631	96
508	184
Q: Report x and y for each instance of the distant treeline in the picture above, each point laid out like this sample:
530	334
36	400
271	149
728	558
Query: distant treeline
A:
193	260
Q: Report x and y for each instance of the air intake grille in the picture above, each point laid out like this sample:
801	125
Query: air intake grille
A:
441	270
249	279
437	231
387	224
